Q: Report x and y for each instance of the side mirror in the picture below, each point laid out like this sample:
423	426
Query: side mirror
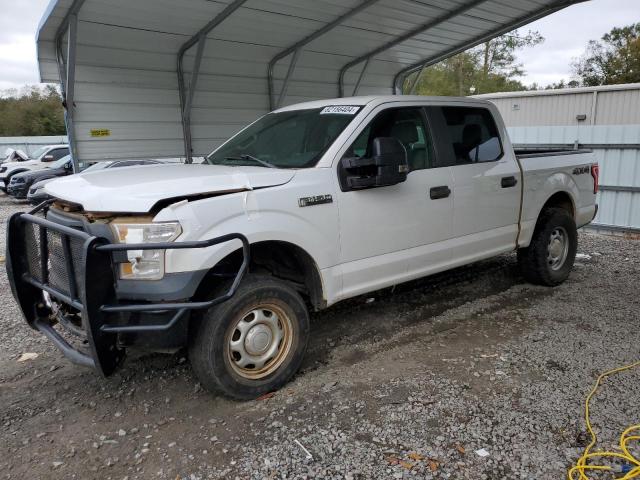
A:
387	166
48	158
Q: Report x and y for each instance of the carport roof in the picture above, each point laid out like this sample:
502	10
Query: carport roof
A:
131	67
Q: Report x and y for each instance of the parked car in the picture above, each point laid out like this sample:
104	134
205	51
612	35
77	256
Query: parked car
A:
309	205
20	183
37	194
40	159
121	163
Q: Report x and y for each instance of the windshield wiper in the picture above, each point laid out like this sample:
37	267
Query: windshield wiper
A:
264	163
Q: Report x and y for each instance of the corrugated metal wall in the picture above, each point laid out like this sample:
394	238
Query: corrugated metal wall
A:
618	107
127	52
547	110
611	127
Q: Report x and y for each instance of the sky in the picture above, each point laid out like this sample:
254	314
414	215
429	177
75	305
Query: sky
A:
566	35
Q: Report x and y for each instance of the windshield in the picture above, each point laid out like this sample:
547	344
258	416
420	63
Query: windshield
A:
60	163
293	139
38	153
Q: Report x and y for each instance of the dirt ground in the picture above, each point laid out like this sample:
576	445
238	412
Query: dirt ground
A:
408	382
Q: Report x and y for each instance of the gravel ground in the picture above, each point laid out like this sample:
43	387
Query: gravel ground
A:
402	384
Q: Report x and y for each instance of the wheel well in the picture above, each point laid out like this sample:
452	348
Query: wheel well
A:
283	260
560	200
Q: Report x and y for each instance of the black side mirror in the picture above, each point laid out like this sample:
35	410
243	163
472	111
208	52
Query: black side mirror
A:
48	158
387	166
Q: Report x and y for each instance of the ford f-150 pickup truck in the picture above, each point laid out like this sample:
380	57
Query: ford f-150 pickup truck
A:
309	205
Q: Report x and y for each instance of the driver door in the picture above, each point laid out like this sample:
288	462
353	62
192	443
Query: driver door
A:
393	233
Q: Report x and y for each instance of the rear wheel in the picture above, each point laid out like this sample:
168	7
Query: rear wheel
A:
549	258
253	343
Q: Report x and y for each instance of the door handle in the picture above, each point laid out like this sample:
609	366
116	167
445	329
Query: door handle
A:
439	192
508	182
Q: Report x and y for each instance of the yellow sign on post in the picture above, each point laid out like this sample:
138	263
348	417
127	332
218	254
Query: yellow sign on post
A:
100	132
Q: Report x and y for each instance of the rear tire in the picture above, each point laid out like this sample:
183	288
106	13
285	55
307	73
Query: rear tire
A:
253	343
549	258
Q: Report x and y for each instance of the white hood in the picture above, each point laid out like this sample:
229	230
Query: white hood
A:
137	189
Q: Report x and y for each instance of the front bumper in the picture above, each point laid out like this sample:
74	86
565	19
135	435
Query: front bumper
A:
46	260
37	198
19	190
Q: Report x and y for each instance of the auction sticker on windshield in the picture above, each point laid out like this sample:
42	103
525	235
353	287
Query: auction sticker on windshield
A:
340	109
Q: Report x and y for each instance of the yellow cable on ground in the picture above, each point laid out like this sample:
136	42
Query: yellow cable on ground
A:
632	433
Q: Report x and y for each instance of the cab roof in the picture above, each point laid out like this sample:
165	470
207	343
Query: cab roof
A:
378	100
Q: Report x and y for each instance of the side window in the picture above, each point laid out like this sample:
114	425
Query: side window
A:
58	153
359	147
405	124
472	135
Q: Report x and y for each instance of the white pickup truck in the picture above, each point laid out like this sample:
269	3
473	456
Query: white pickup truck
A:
309	205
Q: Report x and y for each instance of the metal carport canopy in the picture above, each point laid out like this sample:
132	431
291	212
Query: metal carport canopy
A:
175	78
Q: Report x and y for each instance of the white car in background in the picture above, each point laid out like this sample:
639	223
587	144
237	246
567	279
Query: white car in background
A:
38	160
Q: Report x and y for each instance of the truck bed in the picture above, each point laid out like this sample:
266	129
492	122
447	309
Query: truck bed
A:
558	170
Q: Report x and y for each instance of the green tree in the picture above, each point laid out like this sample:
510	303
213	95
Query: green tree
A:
489	67
33	111
613	60
499	63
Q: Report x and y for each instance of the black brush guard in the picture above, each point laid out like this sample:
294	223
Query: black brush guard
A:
87	283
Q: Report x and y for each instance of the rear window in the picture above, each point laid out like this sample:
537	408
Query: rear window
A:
472	135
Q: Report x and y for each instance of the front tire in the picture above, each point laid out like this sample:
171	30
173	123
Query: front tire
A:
254	342
549	258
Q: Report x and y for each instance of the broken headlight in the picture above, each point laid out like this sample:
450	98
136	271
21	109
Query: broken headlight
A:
145	264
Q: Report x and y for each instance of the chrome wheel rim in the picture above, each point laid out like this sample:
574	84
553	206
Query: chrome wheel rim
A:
558	248
259	340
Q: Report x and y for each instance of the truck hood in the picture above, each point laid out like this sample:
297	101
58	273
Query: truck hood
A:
137	189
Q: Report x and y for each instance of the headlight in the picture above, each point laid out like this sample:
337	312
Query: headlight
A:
145	264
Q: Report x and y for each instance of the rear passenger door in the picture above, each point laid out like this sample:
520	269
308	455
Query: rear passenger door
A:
486	182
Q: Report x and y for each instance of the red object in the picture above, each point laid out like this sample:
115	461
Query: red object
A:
595	173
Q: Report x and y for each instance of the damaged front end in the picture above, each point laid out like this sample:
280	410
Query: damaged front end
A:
66	274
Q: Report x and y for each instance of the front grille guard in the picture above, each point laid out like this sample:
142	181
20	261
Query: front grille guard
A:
93	294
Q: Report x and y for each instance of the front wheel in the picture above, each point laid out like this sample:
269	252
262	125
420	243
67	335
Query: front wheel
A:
549	258
253	343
